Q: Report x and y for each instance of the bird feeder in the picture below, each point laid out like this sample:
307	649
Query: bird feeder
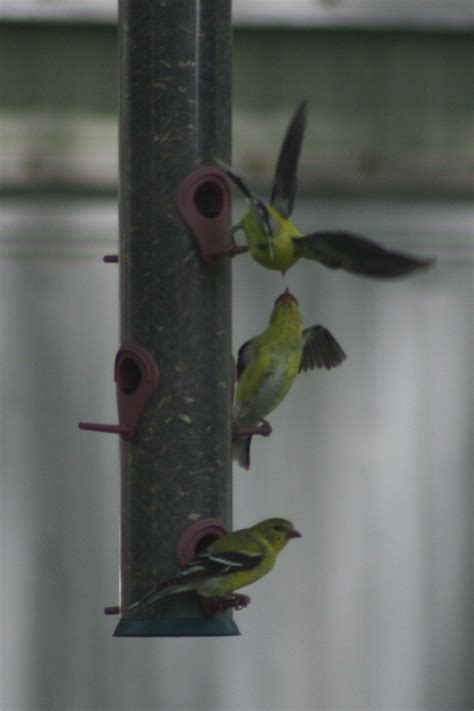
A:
175	305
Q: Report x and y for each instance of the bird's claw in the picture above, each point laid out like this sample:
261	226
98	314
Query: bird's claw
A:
240	601
265	429
217	605
233	249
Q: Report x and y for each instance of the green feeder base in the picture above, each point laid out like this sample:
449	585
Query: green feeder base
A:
219	626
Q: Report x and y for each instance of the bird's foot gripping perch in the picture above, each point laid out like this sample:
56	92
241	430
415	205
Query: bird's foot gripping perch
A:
216	605
233	249
264	430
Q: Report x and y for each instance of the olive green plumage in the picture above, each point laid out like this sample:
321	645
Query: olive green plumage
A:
274	241
228	563
268	364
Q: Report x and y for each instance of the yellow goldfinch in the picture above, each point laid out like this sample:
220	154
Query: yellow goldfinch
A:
275	243
227	564
268	364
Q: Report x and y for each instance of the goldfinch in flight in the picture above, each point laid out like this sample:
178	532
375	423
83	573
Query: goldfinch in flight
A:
275	243
268	364
227	564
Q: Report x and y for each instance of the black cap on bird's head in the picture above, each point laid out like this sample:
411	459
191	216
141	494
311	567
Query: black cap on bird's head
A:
286	298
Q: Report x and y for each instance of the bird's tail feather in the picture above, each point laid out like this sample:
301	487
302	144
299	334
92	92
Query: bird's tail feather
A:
153	596
241	450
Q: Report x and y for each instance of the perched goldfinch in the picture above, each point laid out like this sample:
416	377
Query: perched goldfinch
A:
275	243
268	364
227	564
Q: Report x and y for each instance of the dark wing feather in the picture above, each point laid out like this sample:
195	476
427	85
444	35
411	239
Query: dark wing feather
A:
210	565
320	349
286	182
258	204
243	357
344	250
206	565
229	561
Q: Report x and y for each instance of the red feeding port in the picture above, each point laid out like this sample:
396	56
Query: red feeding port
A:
197	537
136	377
204	204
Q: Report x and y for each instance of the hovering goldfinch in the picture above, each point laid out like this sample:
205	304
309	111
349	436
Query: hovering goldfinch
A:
268	364
227	564
275	243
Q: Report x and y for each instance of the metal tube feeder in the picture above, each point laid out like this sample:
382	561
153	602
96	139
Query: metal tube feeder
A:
175	302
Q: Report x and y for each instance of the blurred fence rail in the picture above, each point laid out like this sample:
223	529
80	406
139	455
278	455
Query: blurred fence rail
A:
390	89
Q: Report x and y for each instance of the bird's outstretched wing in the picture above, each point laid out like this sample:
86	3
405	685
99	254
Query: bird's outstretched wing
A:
207	565
320	349
258	205
285	182
344	250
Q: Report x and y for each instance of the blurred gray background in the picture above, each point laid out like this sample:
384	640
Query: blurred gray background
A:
372	608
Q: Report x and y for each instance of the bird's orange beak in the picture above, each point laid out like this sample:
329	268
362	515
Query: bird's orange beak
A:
287	298
294	534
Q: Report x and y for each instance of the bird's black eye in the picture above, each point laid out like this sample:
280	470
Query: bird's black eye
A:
279	527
